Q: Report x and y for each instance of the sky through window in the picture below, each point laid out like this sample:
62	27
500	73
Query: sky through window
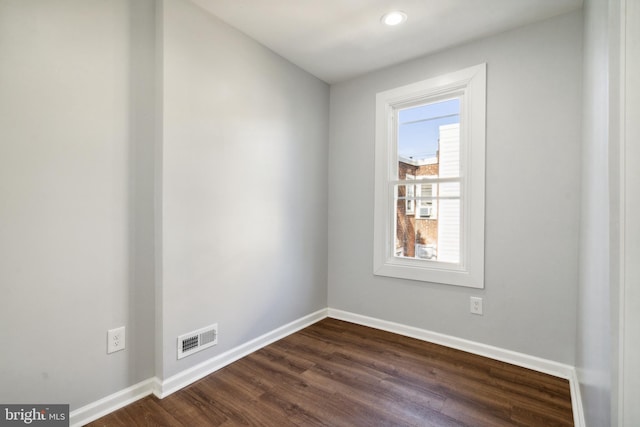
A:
418	129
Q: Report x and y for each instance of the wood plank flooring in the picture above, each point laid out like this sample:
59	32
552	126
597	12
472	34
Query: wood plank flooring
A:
335	373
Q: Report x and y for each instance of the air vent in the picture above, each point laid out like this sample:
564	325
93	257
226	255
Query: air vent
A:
198	340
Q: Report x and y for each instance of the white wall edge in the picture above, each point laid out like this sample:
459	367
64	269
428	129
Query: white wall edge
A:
550	367
576	400
193	374
106	405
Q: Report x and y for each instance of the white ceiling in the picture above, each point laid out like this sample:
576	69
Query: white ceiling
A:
339	39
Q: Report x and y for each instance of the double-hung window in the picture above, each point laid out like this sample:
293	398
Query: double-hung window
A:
429	179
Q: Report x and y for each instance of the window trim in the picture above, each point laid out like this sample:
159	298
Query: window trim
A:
470	85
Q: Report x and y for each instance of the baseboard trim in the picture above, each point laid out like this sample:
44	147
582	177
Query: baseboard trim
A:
161	389
519	359
191	375
576	400
106	405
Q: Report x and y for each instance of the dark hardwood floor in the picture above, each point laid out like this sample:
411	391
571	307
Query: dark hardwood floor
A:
335	373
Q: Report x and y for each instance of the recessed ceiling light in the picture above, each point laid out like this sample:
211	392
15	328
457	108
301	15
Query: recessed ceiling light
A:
394	18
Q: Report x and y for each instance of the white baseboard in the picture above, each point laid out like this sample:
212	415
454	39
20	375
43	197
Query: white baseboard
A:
191	375
519	359
576	400
159	388
164	388
104	406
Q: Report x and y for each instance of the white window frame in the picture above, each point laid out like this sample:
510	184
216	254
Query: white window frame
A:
469	85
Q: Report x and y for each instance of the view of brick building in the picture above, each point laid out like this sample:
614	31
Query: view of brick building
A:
426	227
416	220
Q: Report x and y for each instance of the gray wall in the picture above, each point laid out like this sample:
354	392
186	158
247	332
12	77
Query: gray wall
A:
608	336
244	179
168	188
532	195
160	187
629	376
75	180
594	337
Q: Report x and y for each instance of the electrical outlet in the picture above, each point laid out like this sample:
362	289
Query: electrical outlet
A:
115	340
476	305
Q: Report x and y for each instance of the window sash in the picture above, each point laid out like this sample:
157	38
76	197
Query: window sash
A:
470	85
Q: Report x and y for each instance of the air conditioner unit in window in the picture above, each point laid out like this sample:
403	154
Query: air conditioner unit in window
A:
425	251
425	212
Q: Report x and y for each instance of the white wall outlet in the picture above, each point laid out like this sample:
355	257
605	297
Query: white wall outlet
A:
115	340
476	305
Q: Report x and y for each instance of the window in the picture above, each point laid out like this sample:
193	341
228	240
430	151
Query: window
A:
429	180
411	194
426	196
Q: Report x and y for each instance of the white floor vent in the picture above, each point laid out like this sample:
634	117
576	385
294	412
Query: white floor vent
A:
198	340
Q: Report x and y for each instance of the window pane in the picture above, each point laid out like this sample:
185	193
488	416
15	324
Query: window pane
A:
432	232
449	189
449	231
428	213
428	136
